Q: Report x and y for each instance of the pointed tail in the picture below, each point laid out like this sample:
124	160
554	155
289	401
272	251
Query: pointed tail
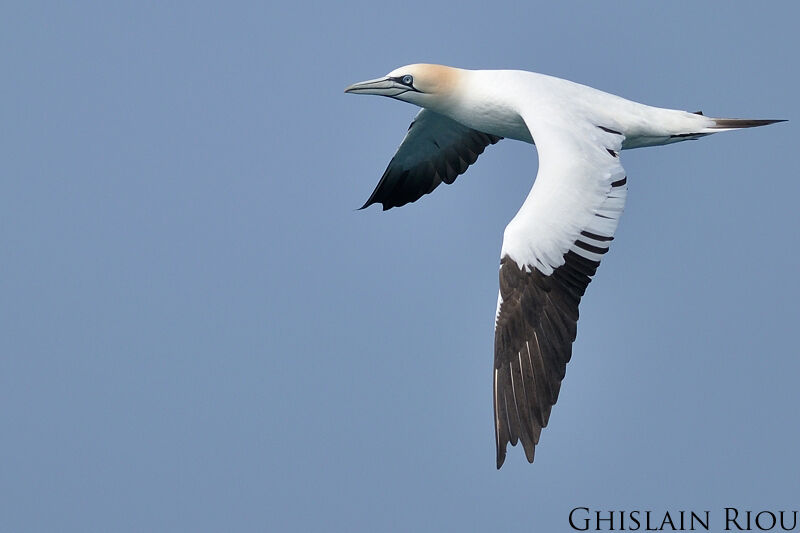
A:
739	123
690	126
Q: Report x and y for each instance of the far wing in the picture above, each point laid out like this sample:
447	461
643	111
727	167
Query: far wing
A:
551	250
436	149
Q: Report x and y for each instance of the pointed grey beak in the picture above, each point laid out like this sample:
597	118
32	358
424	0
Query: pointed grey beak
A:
381	86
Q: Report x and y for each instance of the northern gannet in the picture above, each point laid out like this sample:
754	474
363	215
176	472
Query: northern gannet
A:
553	245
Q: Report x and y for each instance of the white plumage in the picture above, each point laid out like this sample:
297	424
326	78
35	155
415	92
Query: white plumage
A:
554	244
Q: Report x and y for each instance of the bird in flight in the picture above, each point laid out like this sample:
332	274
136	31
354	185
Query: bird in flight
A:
553	245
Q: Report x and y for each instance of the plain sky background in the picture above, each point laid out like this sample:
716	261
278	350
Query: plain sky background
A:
199	332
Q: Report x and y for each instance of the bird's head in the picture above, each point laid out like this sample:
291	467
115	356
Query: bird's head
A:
421	84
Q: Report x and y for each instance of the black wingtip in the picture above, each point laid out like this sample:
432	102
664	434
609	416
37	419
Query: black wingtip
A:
500	460
370	202
530	451
501	456
385	206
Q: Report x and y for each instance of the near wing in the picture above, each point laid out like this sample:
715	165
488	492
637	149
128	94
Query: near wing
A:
436	149
551	249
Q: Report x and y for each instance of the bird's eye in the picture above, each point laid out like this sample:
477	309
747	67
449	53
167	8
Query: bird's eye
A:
407	79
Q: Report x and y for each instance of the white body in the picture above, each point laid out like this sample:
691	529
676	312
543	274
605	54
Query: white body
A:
494	101
554	244
575	171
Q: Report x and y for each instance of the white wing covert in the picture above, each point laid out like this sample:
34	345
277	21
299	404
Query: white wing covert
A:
551	249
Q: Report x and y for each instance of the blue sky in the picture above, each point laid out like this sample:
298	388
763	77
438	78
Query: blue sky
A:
199	332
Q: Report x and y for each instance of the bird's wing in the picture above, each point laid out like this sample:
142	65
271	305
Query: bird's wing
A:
551	249
436	149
